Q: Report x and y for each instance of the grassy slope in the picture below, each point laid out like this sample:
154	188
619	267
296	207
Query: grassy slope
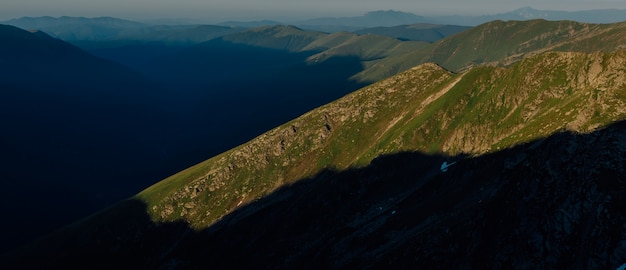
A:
417	32
503	43
426	109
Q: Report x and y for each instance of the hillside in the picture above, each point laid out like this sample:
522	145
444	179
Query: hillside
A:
426	109
501	43
34	57
68	118
370	19
417	32
277	51
374	157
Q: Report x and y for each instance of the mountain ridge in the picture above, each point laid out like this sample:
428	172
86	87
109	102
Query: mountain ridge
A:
286	147
501	43
87	28
369	19
428	32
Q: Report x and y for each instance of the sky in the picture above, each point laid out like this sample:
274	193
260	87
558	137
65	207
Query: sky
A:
221	10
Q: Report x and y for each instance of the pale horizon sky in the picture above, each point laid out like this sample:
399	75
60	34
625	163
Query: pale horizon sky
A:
220	10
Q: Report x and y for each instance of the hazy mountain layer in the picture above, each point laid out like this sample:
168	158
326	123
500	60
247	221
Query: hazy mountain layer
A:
77	28
363	204
107	29
529	13
389	18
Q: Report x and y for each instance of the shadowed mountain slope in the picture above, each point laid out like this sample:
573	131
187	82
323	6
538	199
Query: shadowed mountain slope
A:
36	58
128	42
68	115
535	156
70	121
282	71
279	53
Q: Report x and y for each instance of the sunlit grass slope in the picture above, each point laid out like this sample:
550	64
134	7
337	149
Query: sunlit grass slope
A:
501	43
427	109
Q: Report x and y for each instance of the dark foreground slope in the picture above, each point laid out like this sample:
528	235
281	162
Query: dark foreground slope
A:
550	203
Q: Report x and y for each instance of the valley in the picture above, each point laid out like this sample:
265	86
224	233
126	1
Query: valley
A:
278	124
100	131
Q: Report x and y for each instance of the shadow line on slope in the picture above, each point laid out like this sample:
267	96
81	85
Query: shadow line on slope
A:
539	204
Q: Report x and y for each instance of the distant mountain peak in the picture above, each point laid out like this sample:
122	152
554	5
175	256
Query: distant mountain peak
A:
387	12
530	13
525	9
393	14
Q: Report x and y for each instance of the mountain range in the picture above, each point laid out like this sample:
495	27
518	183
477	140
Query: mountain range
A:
529	13
74	29
389	18
500	146
108	28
